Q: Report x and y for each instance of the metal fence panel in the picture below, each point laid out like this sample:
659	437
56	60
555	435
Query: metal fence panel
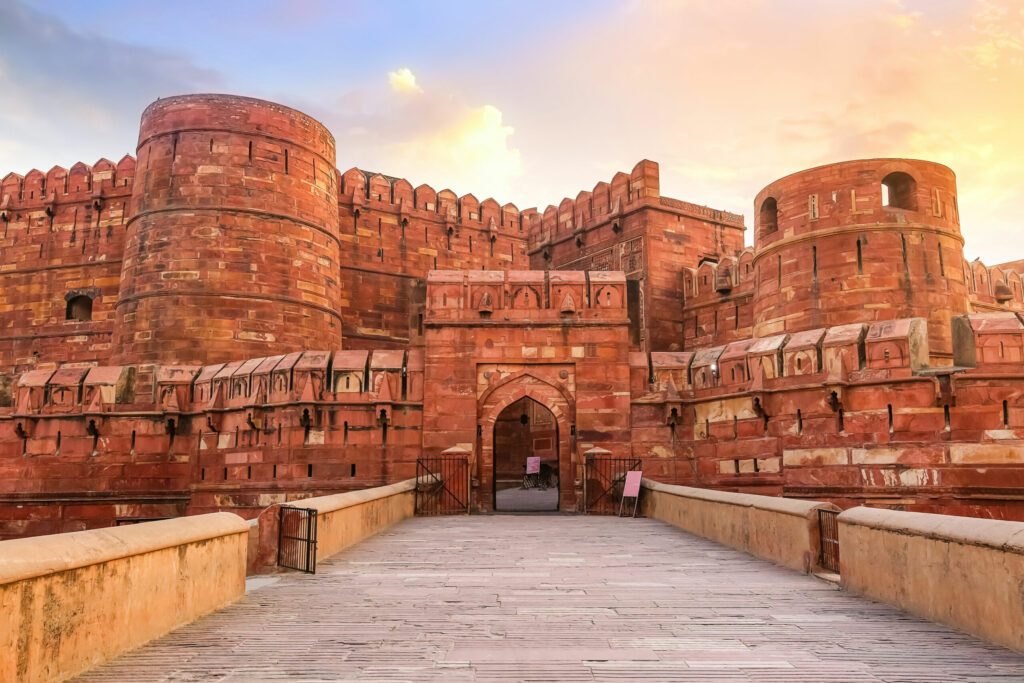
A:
605	477
828	525
442	485
296	540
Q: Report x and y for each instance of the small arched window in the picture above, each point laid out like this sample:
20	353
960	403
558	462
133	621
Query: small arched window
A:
769	215
899	191
79	309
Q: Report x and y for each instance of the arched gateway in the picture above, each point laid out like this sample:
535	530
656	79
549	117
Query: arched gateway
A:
498	459
488	346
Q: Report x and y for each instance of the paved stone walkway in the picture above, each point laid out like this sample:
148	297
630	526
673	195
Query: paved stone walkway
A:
516	499
556	598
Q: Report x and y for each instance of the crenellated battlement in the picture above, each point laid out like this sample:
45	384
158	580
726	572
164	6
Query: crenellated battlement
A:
362	190
82	182
229	321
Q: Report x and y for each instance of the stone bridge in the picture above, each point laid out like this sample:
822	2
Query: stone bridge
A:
519	597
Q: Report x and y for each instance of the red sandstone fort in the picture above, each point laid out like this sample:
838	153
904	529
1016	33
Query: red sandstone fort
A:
227	321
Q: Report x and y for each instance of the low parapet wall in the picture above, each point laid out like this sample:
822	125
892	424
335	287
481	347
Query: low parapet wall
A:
343	519
961	571
69	602
782	530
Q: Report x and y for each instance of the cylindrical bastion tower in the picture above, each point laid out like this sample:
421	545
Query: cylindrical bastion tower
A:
860	241
232	247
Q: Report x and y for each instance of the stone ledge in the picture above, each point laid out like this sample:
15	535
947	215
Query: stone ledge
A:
339	501
787	506
28	558
986	533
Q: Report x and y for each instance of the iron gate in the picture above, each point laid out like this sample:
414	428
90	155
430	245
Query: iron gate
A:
828	528
296	539
603	482
442	485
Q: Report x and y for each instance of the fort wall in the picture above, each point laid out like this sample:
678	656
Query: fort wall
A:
393	234
627	225
230	322
62	238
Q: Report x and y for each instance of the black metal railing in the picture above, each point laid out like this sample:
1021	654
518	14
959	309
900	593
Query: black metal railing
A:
442	485
604	479
296	539
828	528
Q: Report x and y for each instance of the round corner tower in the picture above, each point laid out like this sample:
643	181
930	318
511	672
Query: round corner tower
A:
232	250
860	241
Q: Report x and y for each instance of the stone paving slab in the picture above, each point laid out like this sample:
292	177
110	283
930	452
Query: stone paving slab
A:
556	598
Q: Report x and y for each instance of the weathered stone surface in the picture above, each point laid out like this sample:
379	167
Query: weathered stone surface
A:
232	318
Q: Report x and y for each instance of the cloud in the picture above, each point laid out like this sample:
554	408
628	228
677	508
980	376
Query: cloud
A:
404	81
473	152
999	35
437	137
73	96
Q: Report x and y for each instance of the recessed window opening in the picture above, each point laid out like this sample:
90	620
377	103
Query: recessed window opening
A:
860	259
352	470
945	416
841	419
889	411
309	471
899	191
79	309
799	422
1006	414
769	215
273	473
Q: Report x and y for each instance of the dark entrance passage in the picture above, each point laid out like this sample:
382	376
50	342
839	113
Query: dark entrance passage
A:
523	430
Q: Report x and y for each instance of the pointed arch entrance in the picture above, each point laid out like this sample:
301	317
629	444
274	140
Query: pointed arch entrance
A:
550	401
525	429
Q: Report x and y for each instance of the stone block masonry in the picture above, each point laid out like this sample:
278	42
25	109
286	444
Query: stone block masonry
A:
228	321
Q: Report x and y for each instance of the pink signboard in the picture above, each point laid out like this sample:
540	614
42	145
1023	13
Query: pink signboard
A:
533	465
632	487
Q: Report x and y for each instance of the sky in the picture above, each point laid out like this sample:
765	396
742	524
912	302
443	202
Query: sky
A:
531	101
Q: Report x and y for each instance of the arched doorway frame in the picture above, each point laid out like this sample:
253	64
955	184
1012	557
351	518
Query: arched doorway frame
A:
499	453
490	406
